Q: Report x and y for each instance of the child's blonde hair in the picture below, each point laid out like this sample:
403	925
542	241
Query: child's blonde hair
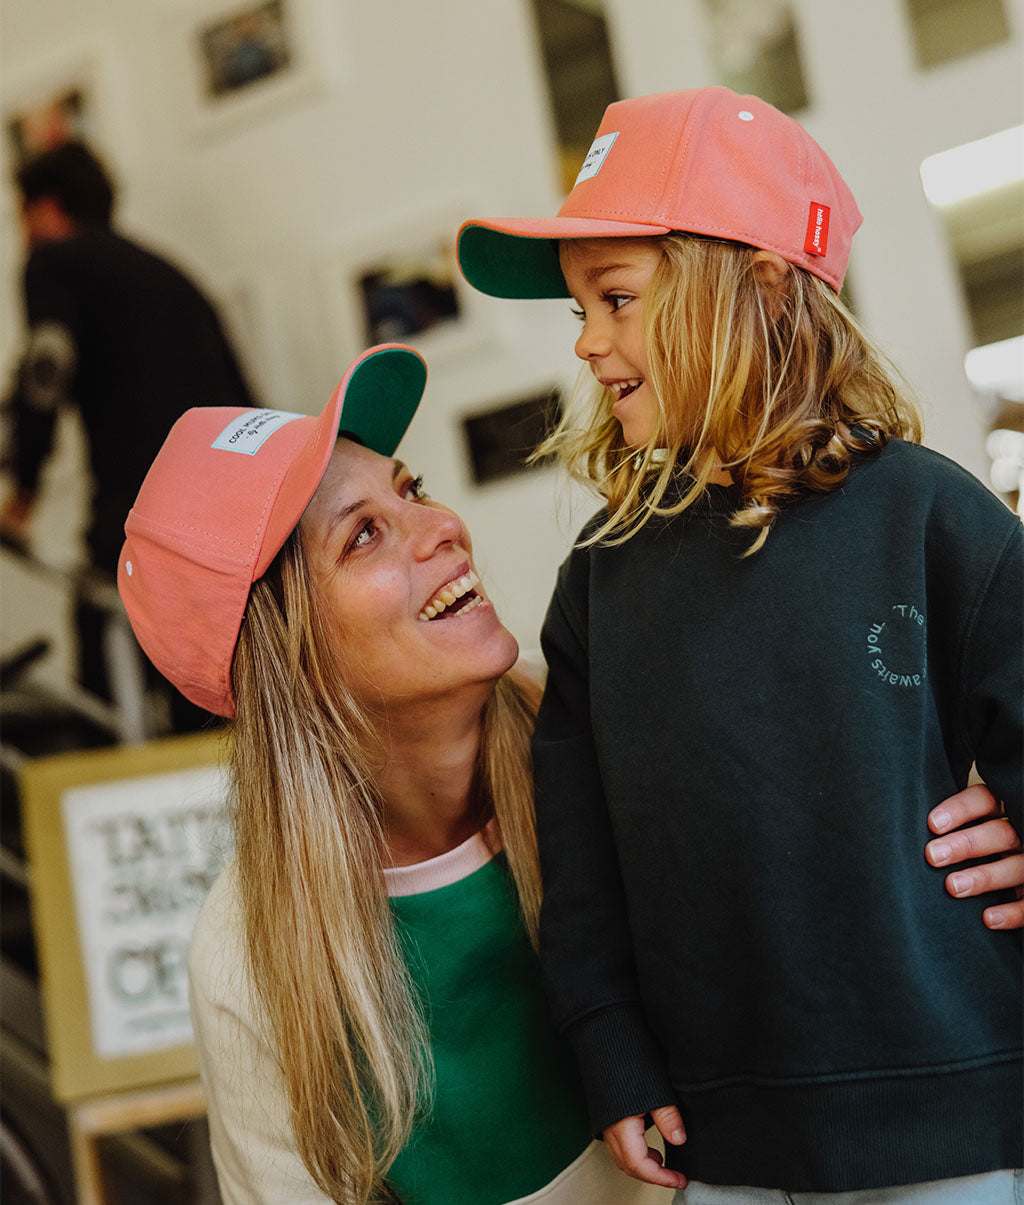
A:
774	382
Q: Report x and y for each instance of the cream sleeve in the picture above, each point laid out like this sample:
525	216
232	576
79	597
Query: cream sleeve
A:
250	1128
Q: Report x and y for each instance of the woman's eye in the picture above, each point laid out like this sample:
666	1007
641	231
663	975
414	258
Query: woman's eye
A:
364	535
416	490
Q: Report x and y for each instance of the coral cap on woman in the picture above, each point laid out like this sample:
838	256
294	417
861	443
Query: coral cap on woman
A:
225	491
705	161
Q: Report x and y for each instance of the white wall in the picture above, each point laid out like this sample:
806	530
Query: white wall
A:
427	112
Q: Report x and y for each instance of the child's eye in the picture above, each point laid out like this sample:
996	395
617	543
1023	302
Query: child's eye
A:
617	300
577	313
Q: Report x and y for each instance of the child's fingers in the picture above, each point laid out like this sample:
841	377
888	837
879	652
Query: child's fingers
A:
972	803
627	1143
978	841
992	876
985	840
670	1124
1004	916
628	1147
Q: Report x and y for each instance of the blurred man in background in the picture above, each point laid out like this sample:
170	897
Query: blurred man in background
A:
121	334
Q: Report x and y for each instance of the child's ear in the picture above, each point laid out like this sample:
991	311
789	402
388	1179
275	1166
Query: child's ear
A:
770	269
772	272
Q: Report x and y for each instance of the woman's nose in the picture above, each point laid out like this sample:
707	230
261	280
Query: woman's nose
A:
438	526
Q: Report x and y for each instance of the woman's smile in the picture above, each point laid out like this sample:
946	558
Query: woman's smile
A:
454	598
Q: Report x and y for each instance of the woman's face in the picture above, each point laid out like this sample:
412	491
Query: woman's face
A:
394	575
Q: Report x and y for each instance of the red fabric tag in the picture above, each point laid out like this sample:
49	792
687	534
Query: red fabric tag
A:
816	242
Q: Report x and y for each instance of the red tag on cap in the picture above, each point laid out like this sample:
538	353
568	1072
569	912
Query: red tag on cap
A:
816	242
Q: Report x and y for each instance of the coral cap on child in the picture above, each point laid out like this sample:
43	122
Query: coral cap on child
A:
223	494
705	161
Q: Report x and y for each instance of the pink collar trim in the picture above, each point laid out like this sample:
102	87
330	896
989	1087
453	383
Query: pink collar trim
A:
447	868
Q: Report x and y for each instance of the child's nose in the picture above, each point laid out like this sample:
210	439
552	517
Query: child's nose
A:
593	342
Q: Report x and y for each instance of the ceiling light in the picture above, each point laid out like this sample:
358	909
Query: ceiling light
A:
976	167
998	369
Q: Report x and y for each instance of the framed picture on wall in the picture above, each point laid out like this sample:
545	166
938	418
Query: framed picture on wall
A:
123	844
501	439
246	60
404	286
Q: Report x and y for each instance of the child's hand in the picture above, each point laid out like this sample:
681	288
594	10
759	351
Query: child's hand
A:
994	836
628	1147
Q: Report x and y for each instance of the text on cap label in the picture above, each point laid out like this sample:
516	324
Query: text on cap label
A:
816	242
250	431
595	156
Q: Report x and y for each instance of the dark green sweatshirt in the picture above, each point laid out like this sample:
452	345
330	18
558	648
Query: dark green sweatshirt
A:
735	759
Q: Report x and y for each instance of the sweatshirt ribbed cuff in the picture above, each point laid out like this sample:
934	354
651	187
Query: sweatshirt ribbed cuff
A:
624	1071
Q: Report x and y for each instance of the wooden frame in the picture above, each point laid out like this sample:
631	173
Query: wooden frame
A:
90	1121
122	844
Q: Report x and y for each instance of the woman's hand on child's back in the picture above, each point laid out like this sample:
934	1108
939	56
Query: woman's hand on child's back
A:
993	836
627	1144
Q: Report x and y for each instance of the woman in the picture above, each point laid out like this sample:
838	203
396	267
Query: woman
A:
366	1003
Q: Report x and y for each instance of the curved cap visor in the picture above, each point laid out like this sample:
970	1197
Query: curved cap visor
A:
225	491
374	401
518	257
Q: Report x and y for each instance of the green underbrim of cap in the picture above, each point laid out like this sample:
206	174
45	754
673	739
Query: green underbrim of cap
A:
381	398
510	265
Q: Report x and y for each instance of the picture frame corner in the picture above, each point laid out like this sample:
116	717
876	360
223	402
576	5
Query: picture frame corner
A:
398	281
243	62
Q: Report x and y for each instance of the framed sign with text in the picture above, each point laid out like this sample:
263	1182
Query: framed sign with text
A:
123	844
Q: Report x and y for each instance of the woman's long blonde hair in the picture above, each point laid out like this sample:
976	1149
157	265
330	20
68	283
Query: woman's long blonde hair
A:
324	958
774	381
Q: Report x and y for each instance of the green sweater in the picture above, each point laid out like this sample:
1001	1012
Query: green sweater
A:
735	759
508	1111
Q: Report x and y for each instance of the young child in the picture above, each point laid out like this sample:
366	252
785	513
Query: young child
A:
790	631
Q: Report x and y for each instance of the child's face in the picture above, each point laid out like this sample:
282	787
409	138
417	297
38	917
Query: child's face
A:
608	278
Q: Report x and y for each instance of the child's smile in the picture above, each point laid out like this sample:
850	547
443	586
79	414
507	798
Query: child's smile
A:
608	278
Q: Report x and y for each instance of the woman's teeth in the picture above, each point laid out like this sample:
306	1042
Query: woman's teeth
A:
450	594
623	389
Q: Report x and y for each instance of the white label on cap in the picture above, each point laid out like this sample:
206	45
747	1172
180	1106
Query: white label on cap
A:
250	431
596	156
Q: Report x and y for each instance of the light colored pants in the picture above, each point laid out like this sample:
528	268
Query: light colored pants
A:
991	1188
593	1179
